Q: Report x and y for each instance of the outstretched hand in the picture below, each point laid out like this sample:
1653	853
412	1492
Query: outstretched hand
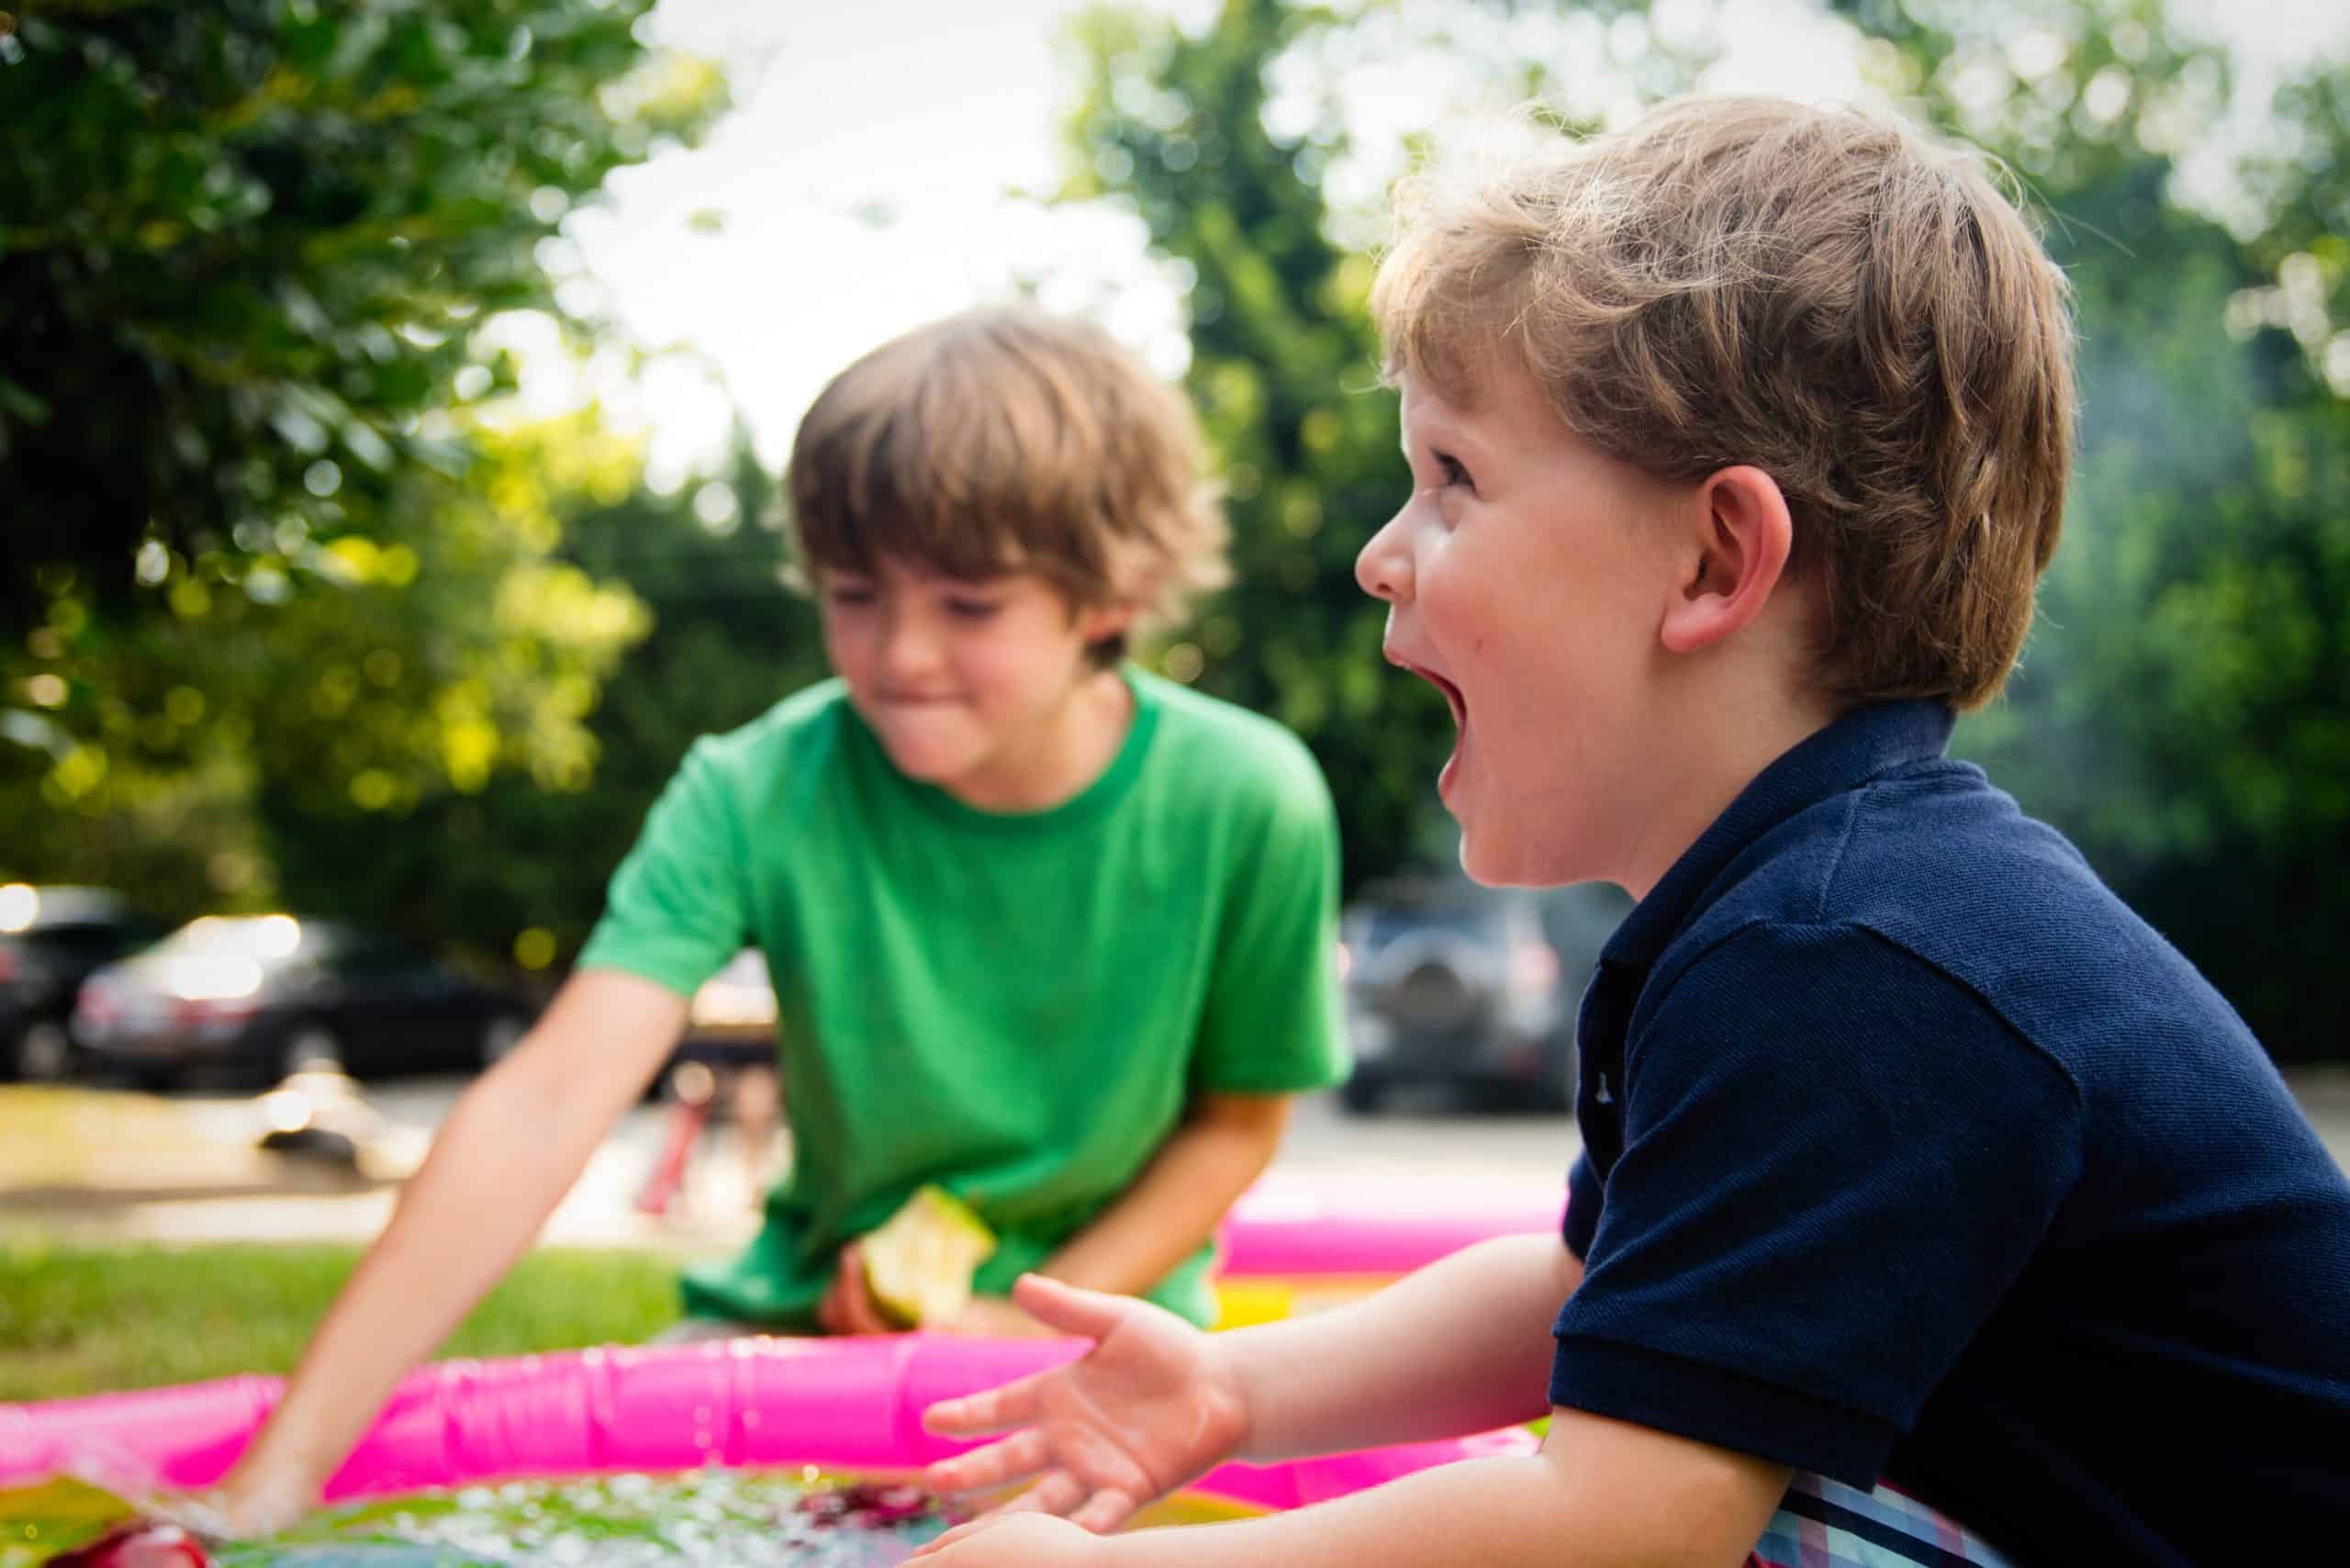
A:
1152	1406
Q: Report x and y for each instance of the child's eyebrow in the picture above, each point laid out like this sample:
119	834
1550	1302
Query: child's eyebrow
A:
1430	431
1439	434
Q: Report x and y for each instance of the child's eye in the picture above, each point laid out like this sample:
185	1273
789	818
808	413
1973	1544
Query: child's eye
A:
972	608
848	595
1453	470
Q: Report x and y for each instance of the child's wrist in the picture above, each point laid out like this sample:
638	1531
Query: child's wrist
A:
1248	1395
246	1505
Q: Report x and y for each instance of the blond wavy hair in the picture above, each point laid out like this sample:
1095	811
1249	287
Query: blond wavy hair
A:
1822	293
1004	439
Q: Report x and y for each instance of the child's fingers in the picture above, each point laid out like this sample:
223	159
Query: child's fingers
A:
1104	1511
992	1410
829	1316
1089	1314
1057	1493
857	1309
1015	1459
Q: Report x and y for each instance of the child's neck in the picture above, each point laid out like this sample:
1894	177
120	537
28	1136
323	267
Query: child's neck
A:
1727	747
1070	746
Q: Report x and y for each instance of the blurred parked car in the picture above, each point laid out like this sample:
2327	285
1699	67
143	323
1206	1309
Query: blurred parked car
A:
1471	988
264	996
50	938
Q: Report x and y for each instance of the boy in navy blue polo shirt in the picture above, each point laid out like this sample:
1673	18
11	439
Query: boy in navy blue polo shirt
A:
1932	1209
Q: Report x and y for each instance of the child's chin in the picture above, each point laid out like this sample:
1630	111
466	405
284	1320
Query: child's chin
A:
925	765
931	770
1482	860
1494	862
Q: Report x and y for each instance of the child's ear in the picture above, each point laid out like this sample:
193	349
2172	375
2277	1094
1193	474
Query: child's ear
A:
1099	622
1732	559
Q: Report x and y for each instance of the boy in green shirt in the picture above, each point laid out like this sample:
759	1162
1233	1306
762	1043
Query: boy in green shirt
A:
1046	931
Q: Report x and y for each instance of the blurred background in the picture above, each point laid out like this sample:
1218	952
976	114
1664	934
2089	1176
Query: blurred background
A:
390	395
390	398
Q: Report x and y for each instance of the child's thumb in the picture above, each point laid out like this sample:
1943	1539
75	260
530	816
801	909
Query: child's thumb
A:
1067	1308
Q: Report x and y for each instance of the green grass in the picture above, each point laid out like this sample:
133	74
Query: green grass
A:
78	1320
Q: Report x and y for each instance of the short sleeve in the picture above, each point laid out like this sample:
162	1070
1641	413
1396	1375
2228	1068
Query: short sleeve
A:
1582	1207
1273	1022
676	910
1836	1162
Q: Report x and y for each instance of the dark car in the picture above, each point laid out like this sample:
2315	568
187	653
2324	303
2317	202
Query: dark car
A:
50	938
262	996
1470	987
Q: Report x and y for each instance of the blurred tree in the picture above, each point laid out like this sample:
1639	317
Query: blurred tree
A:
2184	708
520	868
245	246
1282	354
253	256
400	674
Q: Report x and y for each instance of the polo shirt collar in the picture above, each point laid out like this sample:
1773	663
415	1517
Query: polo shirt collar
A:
1862	744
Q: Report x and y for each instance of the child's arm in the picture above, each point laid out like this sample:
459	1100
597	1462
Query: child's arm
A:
509	1150
1462	1346
1600	1495
1223	1143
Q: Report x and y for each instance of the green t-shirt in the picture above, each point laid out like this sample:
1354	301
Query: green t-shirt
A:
1016	1007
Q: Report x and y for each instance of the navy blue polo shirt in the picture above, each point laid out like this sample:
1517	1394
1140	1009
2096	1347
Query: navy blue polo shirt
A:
1911	1154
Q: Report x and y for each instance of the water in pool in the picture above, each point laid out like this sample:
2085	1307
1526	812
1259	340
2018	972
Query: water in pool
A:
706	1518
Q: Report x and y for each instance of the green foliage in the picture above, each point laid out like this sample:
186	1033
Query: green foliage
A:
722	640
249	251
404	677
1284	372
77	1320
250	271
2180	710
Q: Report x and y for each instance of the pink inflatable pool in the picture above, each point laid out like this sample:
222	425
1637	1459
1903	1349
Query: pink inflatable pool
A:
847	1404
1291	1247
1296	1228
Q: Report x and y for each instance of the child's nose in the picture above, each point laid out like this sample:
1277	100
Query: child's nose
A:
1383	570
910	646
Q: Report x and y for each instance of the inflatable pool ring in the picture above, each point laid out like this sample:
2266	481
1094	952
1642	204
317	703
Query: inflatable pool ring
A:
841	1403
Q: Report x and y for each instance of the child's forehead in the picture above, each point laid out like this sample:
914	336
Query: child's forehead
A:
914	573
1502	395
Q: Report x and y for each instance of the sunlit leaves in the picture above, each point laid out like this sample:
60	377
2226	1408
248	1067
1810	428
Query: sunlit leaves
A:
261	545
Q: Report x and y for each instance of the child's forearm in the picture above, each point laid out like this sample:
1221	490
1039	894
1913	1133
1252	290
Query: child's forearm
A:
1601	1494
508	1151
1463	1345
1180	1197
1491	1513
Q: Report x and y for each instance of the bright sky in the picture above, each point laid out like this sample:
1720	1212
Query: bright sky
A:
862	186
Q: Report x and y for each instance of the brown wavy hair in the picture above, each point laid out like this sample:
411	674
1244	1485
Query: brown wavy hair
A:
1821	293
1005	440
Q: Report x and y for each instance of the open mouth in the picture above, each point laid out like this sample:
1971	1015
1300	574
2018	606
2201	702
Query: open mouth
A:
1459	704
